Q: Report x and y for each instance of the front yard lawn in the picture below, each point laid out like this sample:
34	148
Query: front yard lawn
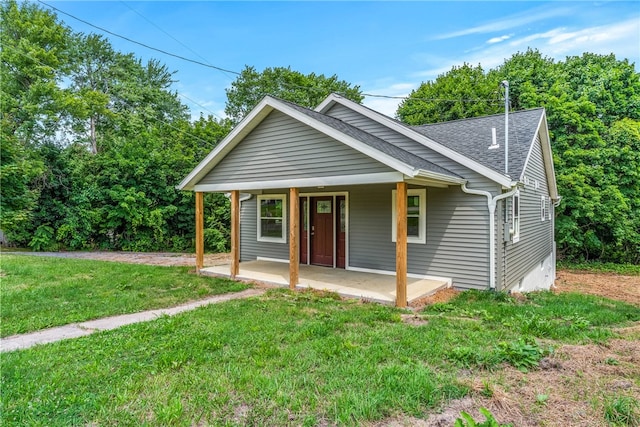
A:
40	292
295	358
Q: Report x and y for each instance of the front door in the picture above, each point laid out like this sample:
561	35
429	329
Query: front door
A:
322	230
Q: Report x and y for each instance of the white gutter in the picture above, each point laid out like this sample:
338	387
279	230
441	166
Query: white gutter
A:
491	204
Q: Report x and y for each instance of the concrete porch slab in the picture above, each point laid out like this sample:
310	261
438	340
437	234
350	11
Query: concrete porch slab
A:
348	283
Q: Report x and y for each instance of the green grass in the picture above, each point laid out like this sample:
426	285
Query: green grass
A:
39	292
282	359
601	267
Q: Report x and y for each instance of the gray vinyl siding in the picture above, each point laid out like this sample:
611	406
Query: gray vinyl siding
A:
457	234
536	236
283	148
250	247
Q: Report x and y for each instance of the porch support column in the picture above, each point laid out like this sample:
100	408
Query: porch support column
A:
235	233
401	244
199	230
294	237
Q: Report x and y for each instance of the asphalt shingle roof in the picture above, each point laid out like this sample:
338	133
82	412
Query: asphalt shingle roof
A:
472	137
379	144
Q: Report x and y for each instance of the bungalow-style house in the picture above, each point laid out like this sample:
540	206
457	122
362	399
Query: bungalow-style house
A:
346	187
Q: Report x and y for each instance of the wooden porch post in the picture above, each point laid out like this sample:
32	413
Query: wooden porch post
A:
294	232
401	244
235	233
199	230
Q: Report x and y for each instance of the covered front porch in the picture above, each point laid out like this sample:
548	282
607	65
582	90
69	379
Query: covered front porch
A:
349	283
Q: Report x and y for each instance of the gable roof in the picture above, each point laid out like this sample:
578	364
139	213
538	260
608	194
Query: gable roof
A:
473	136
376	148
464	141
376	143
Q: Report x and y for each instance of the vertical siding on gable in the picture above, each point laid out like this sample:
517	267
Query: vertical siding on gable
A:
536	236
281	147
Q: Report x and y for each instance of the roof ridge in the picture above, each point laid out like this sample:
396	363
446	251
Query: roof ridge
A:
393	147
527	110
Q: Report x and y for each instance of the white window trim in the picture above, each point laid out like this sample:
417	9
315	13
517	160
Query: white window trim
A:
549	207
543	208
422	221
515	224
282	239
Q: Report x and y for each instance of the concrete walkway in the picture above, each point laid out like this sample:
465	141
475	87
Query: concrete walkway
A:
75	330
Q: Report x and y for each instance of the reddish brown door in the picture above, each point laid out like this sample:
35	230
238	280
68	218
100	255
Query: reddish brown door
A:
322	231
304	228
341	226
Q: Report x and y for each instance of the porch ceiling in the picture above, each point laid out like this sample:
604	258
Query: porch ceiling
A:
369	286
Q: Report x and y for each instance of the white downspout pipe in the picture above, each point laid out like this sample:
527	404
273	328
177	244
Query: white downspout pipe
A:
491	204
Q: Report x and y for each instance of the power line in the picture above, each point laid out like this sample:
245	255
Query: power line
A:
165	32
224	70
137	42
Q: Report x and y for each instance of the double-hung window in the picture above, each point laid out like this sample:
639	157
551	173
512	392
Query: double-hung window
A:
272	221
515	215
416	216
544	208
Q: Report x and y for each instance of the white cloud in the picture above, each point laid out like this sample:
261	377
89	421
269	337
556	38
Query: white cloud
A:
620	38
387	87
499	39
513	21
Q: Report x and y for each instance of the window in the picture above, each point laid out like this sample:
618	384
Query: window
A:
272	221
543	208
515	211
416	216
549	208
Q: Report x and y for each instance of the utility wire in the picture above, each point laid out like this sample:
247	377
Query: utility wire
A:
137	42
169	35
224	70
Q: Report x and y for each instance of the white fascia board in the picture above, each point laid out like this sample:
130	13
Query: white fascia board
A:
327	103
440	177
245	126
370	178
363	148
547	156
497	177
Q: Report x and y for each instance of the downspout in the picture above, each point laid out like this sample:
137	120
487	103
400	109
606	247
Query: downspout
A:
491	204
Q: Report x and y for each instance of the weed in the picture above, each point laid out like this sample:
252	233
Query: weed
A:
523	354
468	421
622	411
611	361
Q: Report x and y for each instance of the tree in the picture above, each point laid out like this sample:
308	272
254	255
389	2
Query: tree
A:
306	90
465	91
593	109
32	62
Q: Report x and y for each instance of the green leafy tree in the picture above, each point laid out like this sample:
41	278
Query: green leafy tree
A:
32	62
465	91
307	90
593	107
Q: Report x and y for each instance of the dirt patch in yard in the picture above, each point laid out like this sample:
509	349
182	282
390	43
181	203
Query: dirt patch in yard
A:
572	387
613	286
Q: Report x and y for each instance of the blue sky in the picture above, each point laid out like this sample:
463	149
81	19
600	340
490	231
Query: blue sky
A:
387	48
